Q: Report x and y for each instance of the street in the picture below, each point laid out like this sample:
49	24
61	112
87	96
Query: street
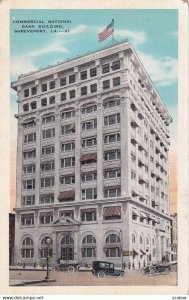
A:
88	279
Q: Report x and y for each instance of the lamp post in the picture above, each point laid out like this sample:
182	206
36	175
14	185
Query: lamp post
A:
48	258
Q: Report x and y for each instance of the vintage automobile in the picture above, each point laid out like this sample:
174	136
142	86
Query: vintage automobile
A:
104	268
157	269
70	266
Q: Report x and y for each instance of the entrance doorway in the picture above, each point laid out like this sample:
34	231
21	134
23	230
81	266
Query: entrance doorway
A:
67	248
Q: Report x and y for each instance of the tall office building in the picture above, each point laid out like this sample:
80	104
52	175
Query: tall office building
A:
92	162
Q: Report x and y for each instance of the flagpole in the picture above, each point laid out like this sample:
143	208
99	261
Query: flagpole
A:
113	30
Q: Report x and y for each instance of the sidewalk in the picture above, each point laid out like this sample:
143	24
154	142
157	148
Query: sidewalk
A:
17	282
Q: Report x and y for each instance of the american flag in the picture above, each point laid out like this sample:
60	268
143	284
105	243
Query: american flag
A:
106	32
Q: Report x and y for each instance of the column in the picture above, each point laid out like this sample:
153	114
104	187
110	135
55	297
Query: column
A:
19	164
57	157
99	150
38	156
54	257
77	154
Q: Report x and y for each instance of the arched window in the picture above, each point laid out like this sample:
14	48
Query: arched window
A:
89	246
115	249
141	240
67	248
67	240
27	248
147	241
44	247
133	239
153	241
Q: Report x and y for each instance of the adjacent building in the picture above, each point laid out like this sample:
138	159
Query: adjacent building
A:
92	162
11	237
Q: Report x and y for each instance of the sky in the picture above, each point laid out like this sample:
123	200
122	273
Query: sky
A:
153	34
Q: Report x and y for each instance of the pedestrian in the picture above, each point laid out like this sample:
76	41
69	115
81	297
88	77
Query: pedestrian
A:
34	265
133	265
129	266
24	265
139	264
124	266
144	263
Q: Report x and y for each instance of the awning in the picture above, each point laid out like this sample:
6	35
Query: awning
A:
134	213
135	251
29	120
112	187
142	251
111	169
46	214
171	252
62	212
88	210
72	126
112	211
27	216
88	156
143	215
66	195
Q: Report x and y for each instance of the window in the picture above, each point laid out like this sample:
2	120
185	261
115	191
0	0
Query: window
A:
83	75
133	175
27	219
112	213
34	90
29	169
93	88
52	85
111	103
30	124
47	182
113	238
112	174
46	217
28	200
26	107
63	96
89	193
44	87
72	94
133	239
52	100
67	213
112	192
112	154
26	93
89	247
84	90
46	199
112	119
113	251
68	114
44	102
133	157
48	119
106	84
69	179
47	166
116	81
89	109
33	105
89	177
151	159
89	142
46	150
72	78
92	124
27	250
67	162
115	65
29	154
49	133
68	146
152	189
112	138
88	215
93	72
134	215
29	184
105	68
46	249
63	81
68	129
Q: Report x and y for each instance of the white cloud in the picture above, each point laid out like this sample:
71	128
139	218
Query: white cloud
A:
21	65
76	30
163	71
138	37
173	34
55	46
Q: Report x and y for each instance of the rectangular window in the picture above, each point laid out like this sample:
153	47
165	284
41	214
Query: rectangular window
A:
72	94
48	119
68	146
116	81
89	142
26	93
34	90
63	96
29	169
93	72
112	192
116	65
83	75
67	162
29	154
84	90
89	193
89	109
89	177
27	219
46	218
46	199
112	119
63	81
106	84
92	124
29	184
88	216
30	138
112	138
44	102
44	87
46	150
68	114
69	179
68	129
111	103
93	88
49	133
109	174
105	68
52	100
28	200
133	175
52	85
47	182
71	78
112	154
47	166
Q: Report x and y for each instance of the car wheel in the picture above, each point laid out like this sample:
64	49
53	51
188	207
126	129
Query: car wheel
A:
152	272
167	271
121	274
100	274
71	269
